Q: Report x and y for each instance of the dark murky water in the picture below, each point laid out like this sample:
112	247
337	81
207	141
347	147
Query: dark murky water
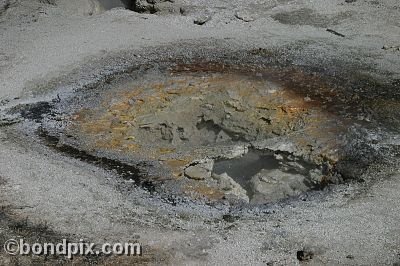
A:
242	169
109	4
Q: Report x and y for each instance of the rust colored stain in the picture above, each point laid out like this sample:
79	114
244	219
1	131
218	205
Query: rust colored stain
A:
114	123
201	191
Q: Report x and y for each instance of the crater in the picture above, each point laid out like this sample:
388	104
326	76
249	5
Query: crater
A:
206	131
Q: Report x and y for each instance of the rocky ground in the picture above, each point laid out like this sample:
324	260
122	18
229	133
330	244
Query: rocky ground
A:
140	123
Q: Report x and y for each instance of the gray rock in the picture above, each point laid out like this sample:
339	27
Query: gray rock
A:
236	151
293	166
222	137
201	20
231	186
244	15
200	171
272	185
282	144
167	7
197	172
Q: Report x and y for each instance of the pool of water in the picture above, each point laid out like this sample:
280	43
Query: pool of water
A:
109	4
242	169
267	176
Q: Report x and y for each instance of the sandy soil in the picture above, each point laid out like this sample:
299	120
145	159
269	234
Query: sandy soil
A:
46	43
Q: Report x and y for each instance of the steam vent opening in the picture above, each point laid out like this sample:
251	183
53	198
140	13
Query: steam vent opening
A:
206	132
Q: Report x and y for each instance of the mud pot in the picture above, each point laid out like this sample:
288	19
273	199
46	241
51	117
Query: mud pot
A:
212	132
